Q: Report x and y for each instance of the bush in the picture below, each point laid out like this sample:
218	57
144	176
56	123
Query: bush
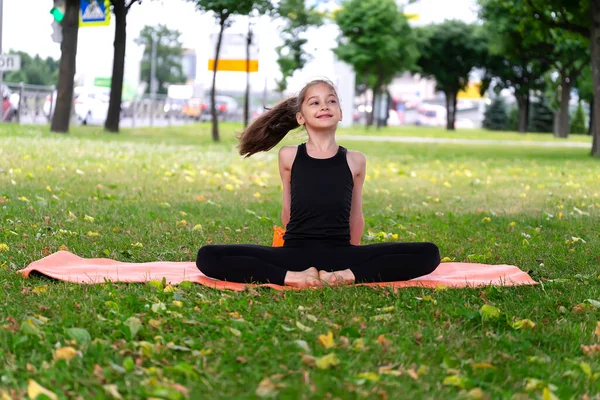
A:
541	117
578	124
495	117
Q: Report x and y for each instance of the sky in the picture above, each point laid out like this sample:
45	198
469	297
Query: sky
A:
26	26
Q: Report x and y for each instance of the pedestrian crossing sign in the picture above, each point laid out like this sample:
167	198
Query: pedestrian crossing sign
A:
94	13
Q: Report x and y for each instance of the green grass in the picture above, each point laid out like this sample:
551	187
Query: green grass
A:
533	207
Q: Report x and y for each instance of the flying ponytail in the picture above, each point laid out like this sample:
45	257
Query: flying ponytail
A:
266	131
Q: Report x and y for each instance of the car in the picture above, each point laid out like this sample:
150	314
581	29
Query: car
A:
90	103
227	108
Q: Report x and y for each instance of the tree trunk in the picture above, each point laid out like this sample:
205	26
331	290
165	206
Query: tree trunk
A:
116	84
591	120
595	50
213	91
450	110
523	104
247	94
369	117
66	72
565	97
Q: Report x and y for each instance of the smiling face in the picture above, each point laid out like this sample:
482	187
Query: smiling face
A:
320	108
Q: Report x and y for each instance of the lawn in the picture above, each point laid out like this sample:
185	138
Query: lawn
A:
160	194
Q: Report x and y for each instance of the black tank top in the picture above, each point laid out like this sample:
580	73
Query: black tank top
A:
321	197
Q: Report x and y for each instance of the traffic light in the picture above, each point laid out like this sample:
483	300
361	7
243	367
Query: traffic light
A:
58	12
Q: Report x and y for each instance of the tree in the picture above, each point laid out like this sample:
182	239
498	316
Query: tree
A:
541	116
495	117
66	73
578	122
120	8
583	18
585	90
34	70
448	53
223	11
169	56
375	40
291	55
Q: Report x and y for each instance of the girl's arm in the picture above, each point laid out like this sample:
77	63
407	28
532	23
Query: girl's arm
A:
358	165
286	158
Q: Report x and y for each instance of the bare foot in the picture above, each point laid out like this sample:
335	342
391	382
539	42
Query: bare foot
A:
337	278
303	279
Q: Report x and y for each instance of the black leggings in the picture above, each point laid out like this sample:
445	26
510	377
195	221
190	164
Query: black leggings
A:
382	262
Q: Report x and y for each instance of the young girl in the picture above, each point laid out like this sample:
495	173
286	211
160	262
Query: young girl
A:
322	208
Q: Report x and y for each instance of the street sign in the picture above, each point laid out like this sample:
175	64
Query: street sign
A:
233	53
10	62
94	13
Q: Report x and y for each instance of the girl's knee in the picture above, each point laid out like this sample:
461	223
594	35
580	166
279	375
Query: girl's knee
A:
206	259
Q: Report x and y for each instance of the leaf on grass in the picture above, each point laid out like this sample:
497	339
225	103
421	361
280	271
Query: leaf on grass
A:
311	317
160	306
64	353
234	331
327	340
413	374
327	361
441	288
475	394
267	389
456	381
34	390
548	395
40	289
427	298
484	366
177	303
382	317
156	284
359	344
597	331
29	327
169	289
446	259
523	324
112	391
80	335
369	376
303	327
593	302
388	309
177	347
489	312
134	325
303	345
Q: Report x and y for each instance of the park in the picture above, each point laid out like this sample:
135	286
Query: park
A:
521	191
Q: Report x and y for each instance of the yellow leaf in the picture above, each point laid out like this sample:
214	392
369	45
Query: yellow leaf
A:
548	395
370	376
65	353
183	222
327	340
197	227
88	218
4	396
597	331
177	303
34	389
413	374
113	391
327	361
154	323
4	247
229	186
266	388
512	224
489	312
455	380
40	289
169	289
446	259
359	344
440	288
257	195
386	309
523	324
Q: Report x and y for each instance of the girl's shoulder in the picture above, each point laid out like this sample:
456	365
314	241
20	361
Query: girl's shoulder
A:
287	154
356	156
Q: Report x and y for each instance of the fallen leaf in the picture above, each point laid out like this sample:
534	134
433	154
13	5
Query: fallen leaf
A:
40	289
597	331
327	340
64	353
303	327
484	366
523	324
303	345
34	390
327	361
489	312
134	325
266	389
112	391
456	381
369	376
80	335
413	374
234	331
311	317
475	394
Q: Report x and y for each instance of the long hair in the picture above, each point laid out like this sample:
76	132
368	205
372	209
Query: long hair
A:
266	131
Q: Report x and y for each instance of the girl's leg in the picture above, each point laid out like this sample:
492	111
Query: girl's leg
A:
383	262
252	263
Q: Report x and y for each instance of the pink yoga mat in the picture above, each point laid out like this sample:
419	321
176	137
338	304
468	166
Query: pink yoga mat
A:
68	267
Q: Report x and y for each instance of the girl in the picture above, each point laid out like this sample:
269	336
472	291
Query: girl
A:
322	208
